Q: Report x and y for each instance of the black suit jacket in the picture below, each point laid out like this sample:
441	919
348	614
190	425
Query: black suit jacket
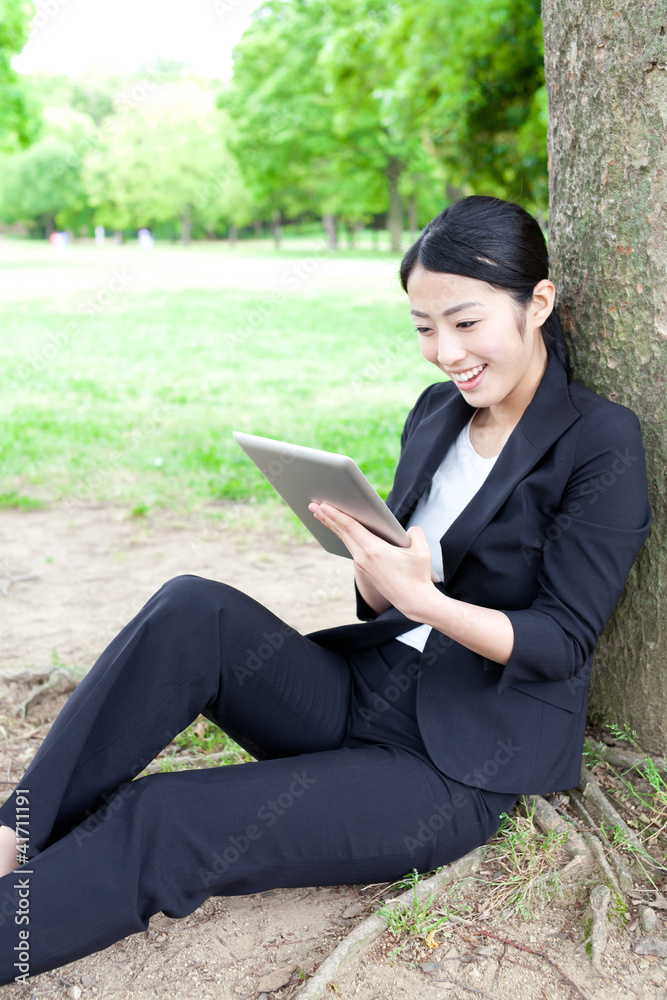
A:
549	539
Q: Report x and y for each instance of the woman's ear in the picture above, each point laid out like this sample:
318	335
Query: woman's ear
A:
544	296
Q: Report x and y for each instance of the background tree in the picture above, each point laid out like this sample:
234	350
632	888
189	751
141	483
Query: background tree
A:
42	188
154	161
470	81
607	83
18	114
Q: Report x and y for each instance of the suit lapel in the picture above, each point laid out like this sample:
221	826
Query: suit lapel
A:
545	419
427	446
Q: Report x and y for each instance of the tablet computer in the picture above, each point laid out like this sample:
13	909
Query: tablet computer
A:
302	475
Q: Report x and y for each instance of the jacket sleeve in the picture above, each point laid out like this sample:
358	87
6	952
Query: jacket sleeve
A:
603	520
364	610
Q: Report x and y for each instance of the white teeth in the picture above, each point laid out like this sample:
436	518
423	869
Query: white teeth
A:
466	376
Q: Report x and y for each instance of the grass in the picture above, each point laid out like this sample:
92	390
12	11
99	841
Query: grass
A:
640	795
203	738
527	861
131	397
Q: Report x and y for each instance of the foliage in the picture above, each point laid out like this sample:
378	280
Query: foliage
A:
468	82
18	116
42	186
158	160
339	108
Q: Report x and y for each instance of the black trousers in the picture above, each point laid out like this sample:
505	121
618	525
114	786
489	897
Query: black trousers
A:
342	791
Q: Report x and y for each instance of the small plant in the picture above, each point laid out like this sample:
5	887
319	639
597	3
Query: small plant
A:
205	738
416	922
527	859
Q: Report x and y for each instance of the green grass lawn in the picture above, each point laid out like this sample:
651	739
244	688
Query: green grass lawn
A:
136	403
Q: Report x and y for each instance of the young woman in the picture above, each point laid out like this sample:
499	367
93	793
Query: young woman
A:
388	745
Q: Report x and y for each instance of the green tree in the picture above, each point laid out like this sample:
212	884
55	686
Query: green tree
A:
155	161
470	81
41	186
18	115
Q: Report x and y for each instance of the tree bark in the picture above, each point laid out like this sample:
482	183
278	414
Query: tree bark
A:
607	87
412	216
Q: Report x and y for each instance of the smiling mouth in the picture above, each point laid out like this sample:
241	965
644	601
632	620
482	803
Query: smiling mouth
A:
470	375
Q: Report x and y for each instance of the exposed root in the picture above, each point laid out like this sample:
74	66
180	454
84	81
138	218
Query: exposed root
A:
371	928
549	820
627	758
620	879
524	947
592	791
15	579
51	680
599	902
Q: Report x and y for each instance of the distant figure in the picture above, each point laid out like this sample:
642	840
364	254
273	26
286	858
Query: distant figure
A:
99	236
59	243
145	239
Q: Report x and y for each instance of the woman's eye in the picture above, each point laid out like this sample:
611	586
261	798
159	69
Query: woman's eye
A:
423	330
466	324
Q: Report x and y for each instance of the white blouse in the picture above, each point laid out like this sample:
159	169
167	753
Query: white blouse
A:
454	484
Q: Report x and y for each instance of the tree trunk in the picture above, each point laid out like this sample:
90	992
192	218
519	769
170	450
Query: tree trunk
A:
412	216
258	229
186	226
233	234
607	88
395	214
277	228
329	223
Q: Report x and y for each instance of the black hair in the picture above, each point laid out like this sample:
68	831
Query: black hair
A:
494	241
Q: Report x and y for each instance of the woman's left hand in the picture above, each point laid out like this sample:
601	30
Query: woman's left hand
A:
402	573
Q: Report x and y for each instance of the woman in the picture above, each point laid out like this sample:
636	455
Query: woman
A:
384	746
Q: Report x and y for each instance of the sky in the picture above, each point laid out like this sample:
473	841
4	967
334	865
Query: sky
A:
113	36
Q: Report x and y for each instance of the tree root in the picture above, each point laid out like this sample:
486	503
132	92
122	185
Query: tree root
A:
591	790
524	947
366	932
599	902
53	680
627	758
549	820
620	879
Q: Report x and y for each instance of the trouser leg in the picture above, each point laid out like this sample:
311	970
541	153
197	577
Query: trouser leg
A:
168	841
197	646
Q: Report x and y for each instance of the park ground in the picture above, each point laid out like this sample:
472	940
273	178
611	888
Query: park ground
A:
90	529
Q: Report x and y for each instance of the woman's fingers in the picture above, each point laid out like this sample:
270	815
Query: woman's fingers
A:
341	524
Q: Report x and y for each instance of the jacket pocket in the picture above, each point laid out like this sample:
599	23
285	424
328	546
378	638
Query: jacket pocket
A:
569	694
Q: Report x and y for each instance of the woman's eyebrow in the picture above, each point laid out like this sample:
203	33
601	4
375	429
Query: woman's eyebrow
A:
449	312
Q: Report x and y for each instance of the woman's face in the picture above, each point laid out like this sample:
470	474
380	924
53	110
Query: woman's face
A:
464	325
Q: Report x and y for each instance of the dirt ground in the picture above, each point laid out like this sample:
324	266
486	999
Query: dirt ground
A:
70	577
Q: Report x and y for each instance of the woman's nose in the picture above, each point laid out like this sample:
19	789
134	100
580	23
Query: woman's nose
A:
450	351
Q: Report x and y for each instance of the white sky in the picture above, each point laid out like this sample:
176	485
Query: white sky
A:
112	36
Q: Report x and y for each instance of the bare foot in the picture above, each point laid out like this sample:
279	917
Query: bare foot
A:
9	852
